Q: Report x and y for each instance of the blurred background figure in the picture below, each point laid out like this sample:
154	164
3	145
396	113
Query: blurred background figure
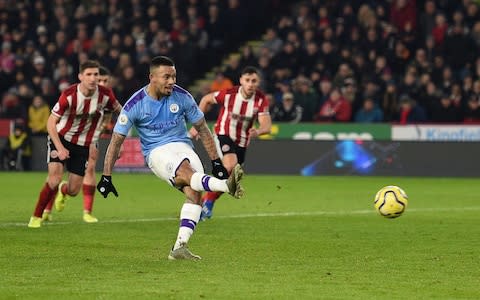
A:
16	153
287	110
38	113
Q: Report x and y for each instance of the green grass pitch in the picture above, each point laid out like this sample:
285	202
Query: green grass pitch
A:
291	237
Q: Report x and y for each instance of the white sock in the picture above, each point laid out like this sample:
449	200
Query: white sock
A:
203	182
189	216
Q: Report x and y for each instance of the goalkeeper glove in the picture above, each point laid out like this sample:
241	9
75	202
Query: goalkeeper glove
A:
105	186
218	170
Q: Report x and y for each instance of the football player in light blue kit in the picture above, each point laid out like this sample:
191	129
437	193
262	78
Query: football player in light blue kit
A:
159	111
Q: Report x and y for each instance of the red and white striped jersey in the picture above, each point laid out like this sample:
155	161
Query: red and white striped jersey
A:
237	115
81	117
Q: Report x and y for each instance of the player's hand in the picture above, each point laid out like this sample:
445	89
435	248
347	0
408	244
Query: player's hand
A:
105	186
218	170
194	133
63	153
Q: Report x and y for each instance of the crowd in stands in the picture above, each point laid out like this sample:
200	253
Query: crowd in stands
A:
403	61
44	41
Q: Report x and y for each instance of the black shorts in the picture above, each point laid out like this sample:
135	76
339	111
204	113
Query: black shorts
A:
76	164
227	145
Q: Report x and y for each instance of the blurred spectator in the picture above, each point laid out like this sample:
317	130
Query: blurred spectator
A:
38	113
220	82
306	97
272	42
445	111
7	57
287	110
390	103
233	70
335	109
369	113
127	84
409	111
472	112
12	107
16	153
403	12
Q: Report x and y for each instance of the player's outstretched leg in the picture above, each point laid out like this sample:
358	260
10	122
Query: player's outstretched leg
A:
235	189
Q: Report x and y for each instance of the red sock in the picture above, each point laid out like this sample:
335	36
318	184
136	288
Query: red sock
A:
46	194
49	205
88	193
211	196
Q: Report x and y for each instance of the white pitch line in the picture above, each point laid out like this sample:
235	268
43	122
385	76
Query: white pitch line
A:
261	215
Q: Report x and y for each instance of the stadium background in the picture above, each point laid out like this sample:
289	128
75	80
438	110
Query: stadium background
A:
417	61
290	237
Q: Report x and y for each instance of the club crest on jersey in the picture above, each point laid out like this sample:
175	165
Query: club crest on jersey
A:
174	108
123	119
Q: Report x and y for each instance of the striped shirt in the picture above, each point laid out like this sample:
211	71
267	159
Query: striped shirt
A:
237	114
81	117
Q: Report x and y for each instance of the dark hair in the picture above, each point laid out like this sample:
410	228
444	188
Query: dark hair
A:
250	70
158	61
104	71
88	64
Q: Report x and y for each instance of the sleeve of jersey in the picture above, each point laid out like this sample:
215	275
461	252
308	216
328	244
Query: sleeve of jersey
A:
112	100
192	111
61	106
219	96
264	107
124	122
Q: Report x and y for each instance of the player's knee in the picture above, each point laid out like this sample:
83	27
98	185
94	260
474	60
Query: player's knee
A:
54	181
184	173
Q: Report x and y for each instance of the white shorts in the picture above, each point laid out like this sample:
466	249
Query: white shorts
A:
165	160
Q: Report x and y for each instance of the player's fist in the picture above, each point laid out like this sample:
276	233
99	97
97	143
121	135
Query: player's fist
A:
105	186
218	170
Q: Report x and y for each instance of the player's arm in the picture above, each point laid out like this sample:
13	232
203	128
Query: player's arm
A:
52	121
265	126
112	153
218	170
207	139
105	185
205	106
207	102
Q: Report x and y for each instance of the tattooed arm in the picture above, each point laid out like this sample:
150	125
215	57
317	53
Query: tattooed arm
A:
112	153
207	138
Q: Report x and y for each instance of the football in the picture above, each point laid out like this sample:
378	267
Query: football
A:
391	201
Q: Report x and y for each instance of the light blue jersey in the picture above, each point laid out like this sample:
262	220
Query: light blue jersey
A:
159	122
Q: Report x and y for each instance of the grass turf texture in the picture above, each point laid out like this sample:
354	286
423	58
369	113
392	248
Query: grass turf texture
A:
289	238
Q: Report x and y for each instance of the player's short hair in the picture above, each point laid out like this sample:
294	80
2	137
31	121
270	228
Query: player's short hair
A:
158	61
88	64
104	71
250	70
